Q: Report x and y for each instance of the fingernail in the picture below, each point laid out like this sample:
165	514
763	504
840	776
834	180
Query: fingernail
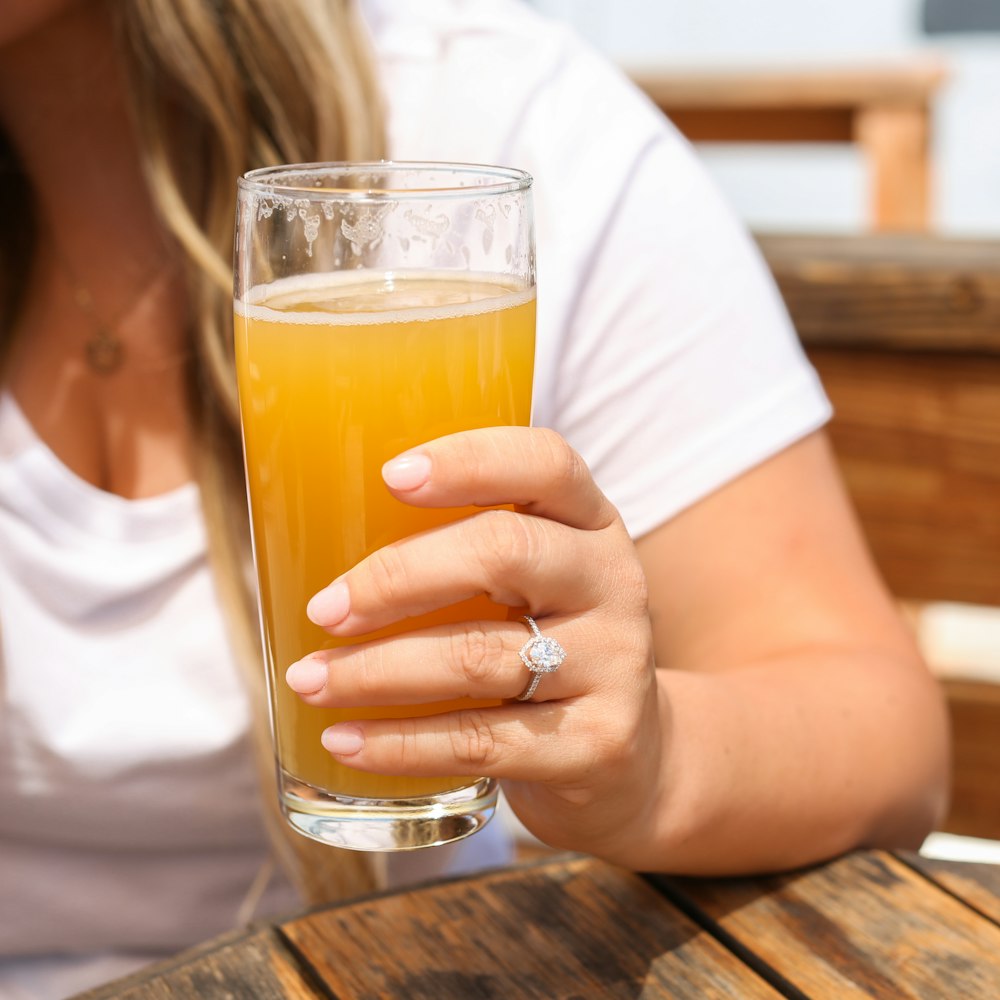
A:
307	676
407	472
343	740
330	605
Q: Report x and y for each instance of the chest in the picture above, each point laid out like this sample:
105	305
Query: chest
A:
127	433
109	400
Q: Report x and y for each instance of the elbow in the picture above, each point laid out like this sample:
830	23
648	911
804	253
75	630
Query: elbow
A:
922	772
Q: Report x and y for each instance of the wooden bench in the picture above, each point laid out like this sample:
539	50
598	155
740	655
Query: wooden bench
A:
905	334
884	109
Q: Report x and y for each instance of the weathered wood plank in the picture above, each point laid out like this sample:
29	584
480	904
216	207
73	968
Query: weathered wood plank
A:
977	885
918	441
571	928
864	926
777	124
917	292
910	81
243	965
974	707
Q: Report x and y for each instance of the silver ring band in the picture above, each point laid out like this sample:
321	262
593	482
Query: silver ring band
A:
541	655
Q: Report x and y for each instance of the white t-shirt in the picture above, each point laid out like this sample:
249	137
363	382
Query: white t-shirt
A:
128	810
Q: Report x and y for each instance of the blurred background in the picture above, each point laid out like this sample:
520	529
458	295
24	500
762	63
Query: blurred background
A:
819	187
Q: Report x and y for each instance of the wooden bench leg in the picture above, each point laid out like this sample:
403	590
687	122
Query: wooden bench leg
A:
895	141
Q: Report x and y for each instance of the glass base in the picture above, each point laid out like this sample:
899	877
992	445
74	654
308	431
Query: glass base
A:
387	824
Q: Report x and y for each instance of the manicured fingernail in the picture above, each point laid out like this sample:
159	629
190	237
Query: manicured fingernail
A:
307	676
343	740
407	472
330	605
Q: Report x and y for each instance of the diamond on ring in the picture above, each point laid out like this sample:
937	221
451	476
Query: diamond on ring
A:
541	655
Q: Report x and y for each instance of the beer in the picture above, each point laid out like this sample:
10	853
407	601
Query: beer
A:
337	374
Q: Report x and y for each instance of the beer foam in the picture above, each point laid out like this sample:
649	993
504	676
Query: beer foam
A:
411	295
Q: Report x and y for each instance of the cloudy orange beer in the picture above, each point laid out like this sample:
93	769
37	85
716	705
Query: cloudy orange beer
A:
338	373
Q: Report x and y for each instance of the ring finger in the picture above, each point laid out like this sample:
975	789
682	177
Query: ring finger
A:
479	660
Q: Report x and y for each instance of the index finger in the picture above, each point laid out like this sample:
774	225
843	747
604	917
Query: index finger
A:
531	467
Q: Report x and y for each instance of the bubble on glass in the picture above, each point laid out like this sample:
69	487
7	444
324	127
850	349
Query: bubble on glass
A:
486	214
432	228
367	227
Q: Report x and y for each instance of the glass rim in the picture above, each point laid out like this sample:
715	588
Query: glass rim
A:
498	180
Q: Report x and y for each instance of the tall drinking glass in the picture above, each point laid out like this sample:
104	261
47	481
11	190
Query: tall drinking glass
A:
377	306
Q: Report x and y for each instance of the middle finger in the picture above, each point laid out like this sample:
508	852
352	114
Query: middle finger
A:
515	559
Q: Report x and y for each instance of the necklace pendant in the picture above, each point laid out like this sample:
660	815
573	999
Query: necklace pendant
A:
104	353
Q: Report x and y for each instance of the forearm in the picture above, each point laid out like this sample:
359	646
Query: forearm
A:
784	763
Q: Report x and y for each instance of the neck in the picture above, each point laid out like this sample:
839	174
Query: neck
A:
62	108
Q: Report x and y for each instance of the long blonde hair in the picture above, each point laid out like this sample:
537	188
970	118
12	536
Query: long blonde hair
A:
220	87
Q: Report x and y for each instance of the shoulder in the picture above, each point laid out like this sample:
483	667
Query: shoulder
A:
404	30
494	80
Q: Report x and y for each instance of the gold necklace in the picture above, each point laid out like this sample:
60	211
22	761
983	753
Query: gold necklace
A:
104	350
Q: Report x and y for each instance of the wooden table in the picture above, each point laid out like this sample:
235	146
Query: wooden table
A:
884	109
871	924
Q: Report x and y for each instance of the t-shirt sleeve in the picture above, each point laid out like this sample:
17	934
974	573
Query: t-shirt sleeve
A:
677	368
680	368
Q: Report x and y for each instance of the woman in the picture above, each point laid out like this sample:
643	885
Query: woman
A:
738	693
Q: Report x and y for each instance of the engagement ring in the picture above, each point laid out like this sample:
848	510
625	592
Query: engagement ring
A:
541	655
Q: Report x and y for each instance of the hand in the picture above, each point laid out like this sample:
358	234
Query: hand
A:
580	762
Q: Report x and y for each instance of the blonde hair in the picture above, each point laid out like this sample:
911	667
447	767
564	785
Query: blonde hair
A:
219	87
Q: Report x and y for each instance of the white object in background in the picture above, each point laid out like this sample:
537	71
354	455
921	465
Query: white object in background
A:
960	641
949	847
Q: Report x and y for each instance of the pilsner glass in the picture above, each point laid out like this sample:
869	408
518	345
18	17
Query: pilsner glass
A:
377	306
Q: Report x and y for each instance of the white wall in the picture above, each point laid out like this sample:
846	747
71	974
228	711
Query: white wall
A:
818	187
718	29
